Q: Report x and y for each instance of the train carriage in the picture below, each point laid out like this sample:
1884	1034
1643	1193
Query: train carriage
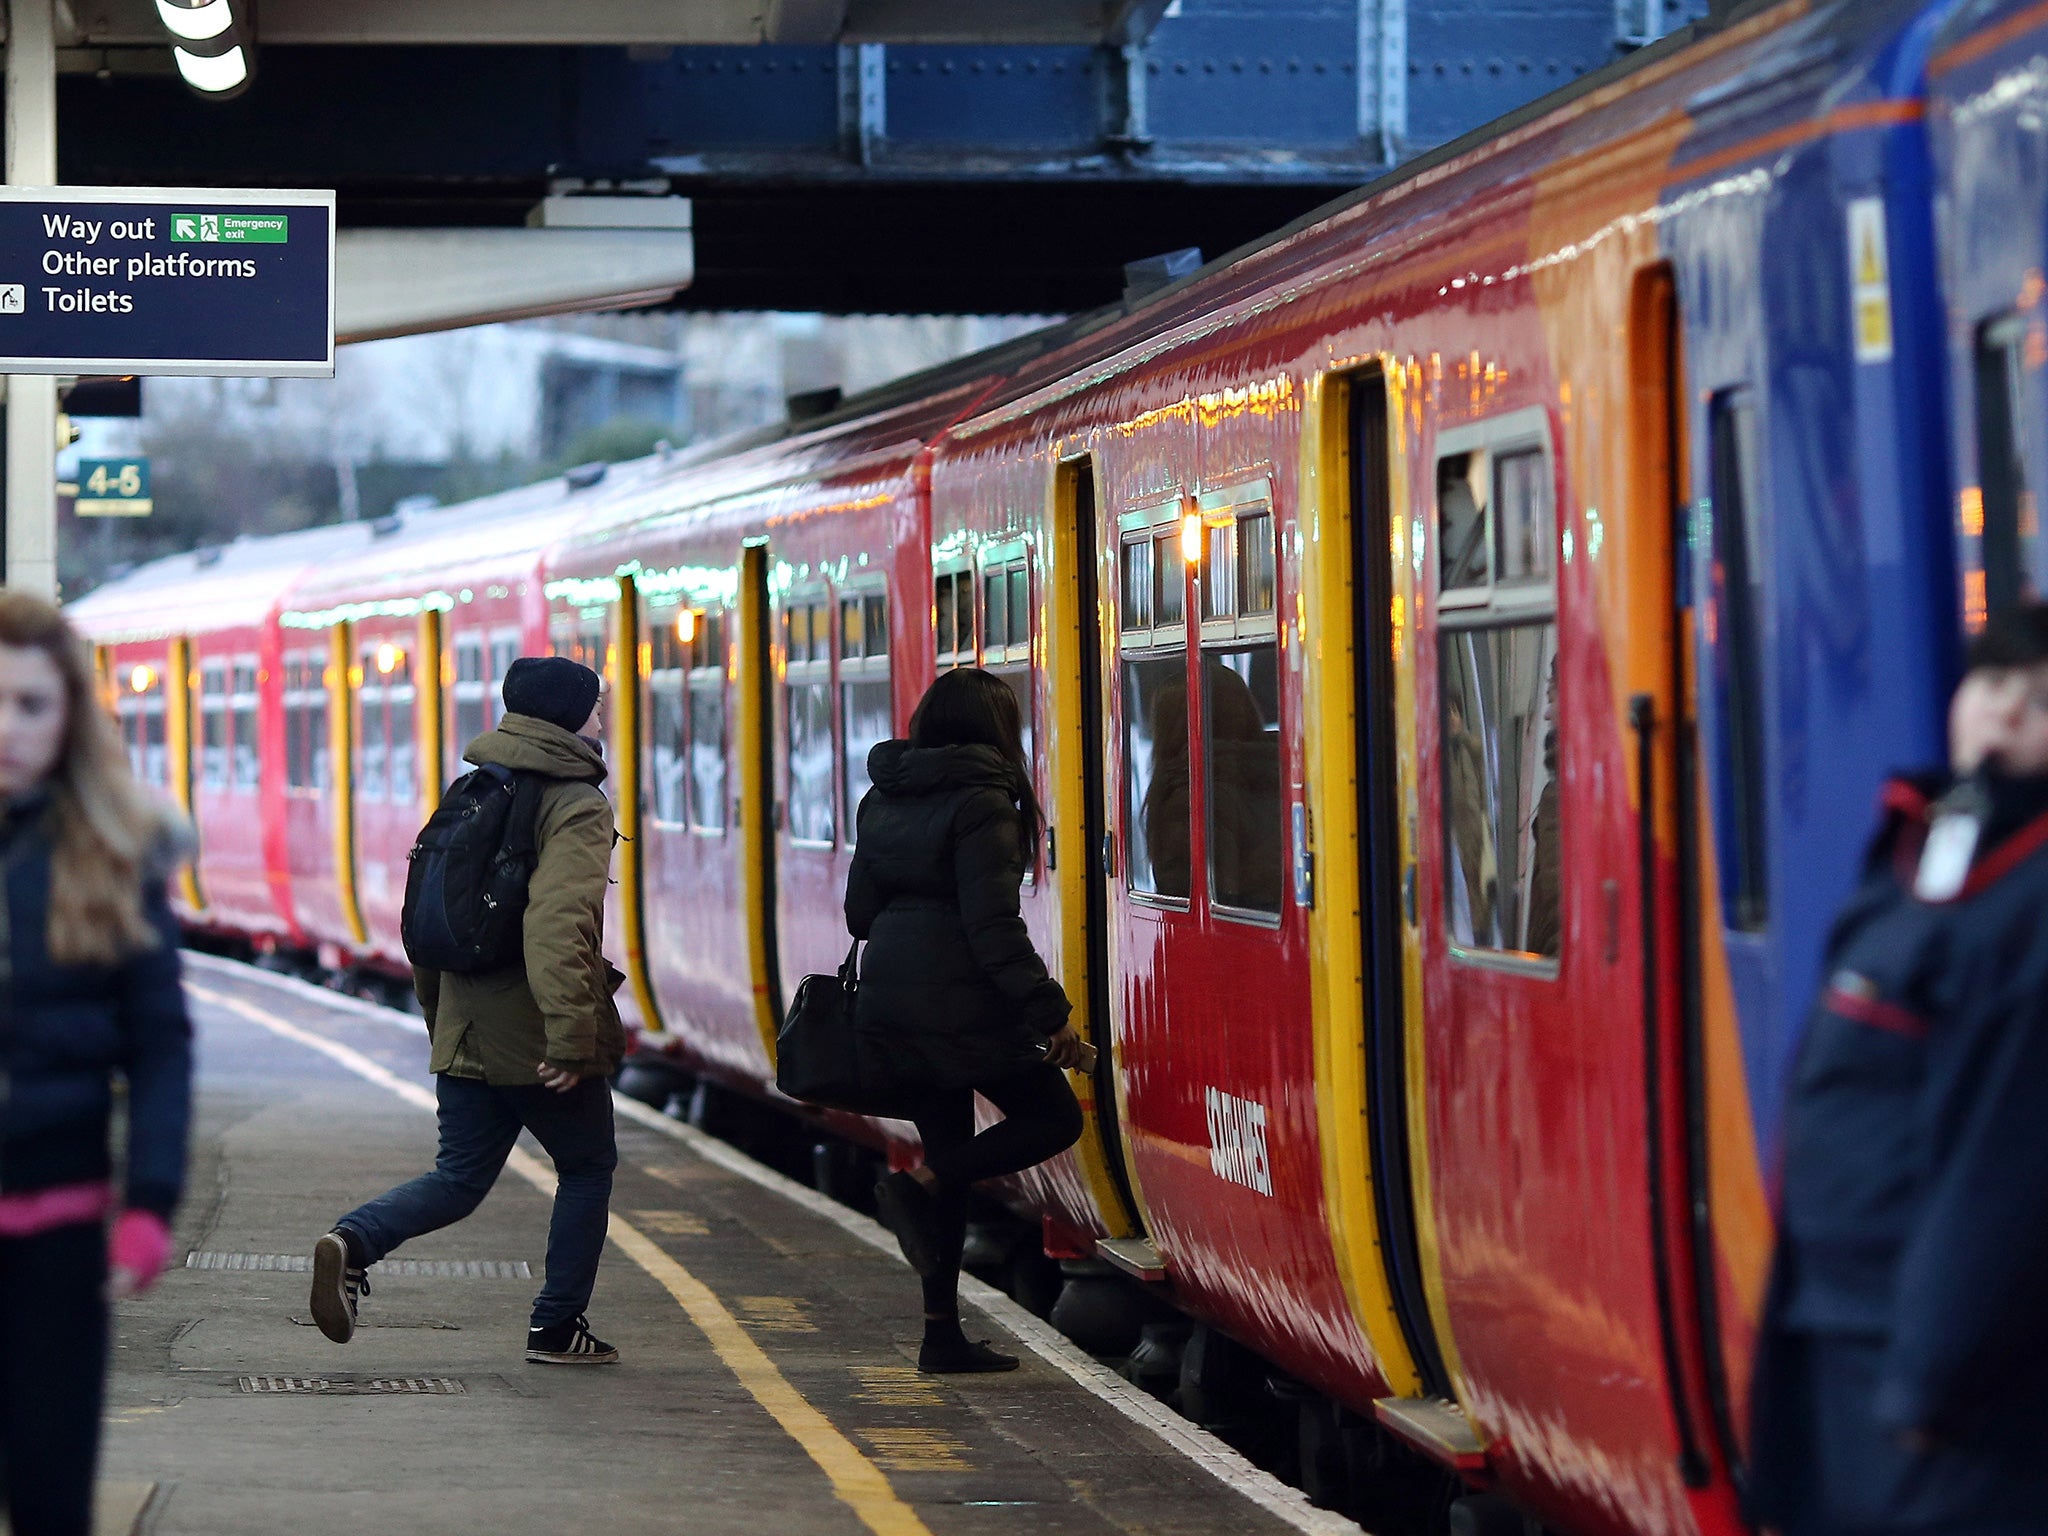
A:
191	652
1460	641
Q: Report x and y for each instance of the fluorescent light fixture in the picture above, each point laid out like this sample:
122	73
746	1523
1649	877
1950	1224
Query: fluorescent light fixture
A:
196	23
214	75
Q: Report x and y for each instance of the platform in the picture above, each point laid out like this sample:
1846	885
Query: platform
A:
769	1341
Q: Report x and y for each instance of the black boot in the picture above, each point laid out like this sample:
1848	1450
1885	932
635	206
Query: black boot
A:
947	1351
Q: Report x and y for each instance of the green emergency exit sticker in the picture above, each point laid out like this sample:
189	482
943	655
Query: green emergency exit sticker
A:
229	228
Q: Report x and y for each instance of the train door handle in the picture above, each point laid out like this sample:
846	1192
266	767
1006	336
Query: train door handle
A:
1108	855
1408	894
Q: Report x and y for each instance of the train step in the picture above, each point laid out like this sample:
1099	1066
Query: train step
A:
1437	1427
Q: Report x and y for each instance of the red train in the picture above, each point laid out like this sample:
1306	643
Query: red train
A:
1460	638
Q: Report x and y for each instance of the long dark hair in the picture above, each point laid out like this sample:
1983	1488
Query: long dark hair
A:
968	707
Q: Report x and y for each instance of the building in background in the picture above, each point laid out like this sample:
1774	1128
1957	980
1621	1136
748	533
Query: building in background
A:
459	414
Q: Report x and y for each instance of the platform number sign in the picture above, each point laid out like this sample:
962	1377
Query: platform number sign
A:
113	488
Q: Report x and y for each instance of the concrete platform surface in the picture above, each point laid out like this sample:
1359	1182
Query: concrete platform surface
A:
769	1341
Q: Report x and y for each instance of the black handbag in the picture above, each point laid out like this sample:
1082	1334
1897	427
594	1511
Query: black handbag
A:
817	1052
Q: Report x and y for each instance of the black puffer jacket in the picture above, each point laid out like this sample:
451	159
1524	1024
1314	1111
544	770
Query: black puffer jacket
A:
952	993
66	1030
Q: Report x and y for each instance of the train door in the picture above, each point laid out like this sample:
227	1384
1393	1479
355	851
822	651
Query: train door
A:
1707	1218
1147	857
1387	873
1082	814
753	699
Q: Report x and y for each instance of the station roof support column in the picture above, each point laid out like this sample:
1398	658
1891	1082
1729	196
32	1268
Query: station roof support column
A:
28	558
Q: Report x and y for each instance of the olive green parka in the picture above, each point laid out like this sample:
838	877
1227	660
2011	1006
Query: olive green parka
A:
556	1006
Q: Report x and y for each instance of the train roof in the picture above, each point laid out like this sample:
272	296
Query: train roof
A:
235	585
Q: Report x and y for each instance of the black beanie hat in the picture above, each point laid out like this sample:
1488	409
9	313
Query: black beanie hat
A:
551	688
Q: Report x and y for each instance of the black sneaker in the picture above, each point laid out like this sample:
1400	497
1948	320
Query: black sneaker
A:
570	1343
338	1285
906	1207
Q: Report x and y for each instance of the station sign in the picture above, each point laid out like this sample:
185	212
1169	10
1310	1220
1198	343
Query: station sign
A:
111	488
154	280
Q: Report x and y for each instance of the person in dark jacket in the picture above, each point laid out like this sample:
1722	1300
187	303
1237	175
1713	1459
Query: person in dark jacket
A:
954	1000
529	1046
1902	1374
89	992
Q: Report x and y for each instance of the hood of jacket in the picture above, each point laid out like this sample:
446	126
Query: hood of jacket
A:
897	768
527	745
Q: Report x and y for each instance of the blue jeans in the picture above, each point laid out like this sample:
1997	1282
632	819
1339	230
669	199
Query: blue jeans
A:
479	1124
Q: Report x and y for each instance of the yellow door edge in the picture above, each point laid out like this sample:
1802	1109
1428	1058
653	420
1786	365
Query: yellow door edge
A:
429	725
341	783
1060	590
181	681
753	667
628	670
1405	383
1335	919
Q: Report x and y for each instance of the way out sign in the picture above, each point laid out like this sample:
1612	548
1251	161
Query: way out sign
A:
150	280
112	488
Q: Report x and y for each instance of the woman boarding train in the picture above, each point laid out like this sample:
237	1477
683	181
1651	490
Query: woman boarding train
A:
953	999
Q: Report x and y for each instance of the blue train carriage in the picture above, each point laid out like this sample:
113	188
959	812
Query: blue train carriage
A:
1988	129
1814	598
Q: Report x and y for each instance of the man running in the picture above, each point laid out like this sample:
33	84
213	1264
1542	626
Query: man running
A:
529	1045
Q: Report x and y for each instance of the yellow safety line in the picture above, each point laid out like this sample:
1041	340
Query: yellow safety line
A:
858	1482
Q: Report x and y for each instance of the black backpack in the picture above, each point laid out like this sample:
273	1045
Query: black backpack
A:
466	878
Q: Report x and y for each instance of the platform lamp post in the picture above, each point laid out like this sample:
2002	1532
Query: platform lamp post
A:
28	556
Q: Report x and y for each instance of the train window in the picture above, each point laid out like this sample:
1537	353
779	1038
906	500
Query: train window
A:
373	756
472	714
1256	585
581	639
401	698
667	716
1497	688
305	710
867	714
1157	836
807	711
248	760
1241	743
1464	552
1155	699
953	612
504	651
1500	787
1734	619
2000	526
1169	591
1006	633
141	711
1526	521
215	726
707	724
1243	810
1137	584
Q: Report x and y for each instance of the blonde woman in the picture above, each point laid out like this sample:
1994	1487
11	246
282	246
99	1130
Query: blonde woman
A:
88	991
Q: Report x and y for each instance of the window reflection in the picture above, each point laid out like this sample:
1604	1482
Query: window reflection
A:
1241	730
1499	754
1156	772
1466	552
867	722
810	762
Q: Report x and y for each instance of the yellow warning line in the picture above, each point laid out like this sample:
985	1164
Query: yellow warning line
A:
857	1481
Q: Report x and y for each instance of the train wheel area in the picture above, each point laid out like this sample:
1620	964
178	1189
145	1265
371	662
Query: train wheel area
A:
769	1343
